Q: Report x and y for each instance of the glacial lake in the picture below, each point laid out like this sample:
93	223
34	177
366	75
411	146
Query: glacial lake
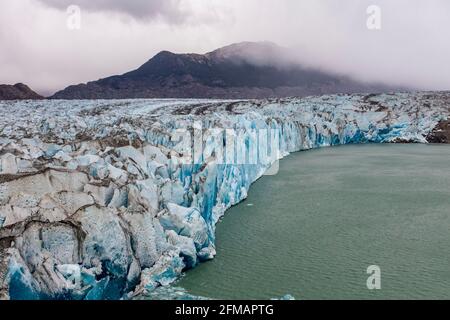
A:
313	229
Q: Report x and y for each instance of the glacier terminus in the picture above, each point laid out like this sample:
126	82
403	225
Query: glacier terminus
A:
112	199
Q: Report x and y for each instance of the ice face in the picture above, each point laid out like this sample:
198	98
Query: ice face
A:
112	199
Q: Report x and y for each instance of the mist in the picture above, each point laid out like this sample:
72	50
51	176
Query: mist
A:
410	47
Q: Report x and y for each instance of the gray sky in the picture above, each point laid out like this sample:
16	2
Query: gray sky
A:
37	47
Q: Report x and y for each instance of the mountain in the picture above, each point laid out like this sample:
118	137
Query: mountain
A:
19	91
243	70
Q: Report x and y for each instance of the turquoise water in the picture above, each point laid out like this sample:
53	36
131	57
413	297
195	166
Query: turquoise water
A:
313	229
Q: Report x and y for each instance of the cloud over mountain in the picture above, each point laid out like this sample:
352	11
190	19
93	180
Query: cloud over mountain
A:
141	9
410	49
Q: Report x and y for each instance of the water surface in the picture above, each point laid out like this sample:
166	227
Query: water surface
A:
313	229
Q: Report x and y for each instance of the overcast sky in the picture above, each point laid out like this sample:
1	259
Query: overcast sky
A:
37	48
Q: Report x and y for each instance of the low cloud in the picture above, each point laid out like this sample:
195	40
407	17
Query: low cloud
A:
171	10
410	49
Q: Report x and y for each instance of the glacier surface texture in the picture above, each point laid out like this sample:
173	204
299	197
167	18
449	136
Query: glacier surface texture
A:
114	199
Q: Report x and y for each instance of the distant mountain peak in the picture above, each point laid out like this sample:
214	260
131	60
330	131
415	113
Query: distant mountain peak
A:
244	48
240	70
164	54
19	91
259	53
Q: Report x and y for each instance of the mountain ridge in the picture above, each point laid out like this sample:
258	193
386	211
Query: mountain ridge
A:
243	70
18	91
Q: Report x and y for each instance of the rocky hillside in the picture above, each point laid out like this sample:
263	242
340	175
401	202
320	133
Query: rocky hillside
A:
244	70
18	91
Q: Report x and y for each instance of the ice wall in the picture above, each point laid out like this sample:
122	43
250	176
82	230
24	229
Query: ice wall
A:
112	199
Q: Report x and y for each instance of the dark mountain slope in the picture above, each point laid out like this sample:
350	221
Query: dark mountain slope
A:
18	91
245	70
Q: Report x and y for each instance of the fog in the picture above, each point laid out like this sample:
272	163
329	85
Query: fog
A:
410	48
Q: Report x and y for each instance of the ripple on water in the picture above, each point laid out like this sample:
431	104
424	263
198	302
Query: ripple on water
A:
313	229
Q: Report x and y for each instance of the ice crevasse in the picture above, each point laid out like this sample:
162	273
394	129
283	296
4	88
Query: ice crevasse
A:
112	199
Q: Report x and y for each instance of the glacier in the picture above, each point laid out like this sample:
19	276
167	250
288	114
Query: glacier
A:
112	199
